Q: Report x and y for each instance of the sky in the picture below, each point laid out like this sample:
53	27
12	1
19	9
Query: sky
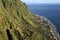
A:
41	1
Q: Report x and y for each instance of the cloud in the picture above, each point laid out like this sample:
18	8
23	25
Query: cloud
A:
28	1
41	1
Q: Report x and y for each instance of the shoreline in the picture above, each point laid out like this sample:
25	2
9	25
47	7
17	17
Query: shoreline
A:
52	27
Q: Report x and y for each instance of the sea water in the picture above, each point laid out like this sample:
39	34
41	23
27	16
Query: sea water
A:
50	11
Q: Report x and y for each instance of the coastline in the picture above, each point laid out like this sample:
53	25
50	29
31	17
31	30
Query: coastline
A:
52	27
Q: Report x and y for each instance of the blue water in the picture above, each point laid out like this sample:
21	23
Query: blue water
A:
50	11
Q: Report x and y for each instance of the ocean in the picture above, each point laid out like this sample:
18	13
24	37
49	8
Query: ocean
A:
50	11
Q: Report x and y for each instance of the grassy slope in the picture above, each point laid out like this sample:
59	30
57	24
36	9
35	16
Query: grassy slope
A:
17	23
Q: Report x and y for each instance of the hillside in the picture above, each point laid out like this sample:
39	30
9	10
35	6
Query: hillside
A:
18	23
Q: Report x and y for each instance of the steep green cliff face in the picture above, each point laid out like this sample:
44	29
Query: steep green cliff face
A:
17	23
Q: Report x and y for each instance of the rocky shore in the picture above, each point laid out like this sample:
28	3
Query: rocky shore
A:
55	35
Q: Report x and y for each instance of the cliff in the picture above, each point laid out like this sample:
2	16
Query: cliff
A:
17	23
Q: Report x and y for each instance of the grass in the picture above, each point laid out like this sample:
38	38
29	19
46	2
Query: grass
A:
16	17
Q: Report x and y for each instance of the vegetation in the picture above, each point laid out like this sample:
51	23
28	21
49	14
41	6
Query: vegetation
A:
17	23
